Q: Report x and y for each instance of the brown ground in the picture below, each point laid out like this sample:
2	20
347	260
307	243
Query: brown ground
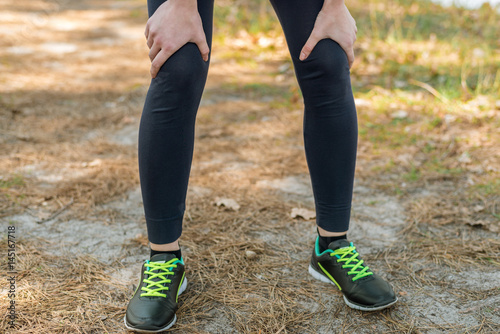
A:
73	79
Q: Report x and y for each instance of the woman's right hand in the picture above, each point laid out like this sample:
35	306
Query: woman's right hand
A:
174	24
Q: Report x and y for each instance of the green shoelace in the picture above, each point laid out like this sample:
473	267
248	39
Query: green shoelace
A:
156	280
349	255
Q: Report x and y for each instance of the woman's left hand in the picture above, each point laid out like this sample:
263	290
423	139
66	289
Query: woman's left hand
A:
335	22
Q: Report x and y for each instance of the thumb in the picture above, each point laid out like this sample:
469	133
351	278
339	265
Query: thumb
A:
203	47
350	57
349	51
309	46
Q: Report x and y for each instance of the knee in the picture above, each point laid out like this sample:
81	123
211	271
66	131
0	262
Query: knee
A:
185	69
174	95
325	71
327	61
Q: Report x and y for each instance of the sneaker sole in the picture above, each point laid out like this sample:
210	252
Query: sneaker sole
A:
181	290
349	303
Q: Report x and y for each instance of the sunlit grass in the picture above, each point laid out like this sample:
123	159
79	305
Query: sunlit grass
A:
401	44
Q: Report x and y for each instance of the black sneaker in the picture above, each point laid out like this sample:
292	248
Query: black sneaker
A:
153	306
341	265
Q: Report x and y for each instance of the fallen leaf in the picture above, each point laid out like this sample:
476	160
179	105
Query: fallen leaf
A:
304	213
250	254
400	114
465	158
448	119
228	203
478	208
215	133
493	227
477	223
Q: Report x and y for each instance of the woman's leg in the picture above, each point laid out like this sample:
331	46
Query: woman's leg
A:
166	134
330	122
166	139
330	136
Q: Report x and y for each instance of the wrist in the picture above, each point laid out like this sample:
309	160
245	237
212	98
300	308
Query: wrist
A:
188	4
333	3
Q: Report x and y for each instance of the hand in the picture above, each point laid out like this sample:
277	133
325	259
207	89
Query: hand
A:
174	24
335	22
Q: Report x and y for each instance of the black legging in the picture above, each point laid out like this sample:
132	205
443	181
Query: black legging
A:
166	135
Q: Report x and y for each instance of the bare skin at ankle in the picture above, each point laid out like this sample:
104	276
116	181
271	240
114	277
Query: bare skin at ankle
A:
325	233
173	246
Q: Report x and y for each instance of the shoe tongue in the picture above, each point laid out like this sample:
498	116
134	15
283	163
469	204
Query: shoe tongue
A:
342	243
162	257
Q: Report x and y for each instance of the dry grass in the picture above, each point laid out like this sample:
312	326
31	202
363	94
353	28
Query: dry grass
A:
60	294
268	294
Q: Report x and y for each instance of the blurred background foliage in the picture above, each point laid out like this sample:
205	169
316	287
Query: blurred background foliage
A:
454	50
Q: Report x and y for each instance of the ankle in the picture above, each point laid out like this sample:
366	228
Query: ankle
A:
177	253
324	233
173	246
325	241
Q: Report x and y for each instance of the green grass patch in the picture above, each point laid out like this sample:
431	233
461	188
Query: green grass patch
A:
254	16
488	189
13	181
413	175
282	95
389	134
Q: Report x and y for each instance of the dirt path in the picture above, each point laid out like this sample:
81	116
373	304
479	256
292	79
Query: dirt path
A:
72	90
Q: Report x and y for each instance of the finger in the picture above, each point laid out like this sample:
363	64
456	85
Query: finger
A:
159	60
203	46
154	51
146	31
150	41
309	46
350	56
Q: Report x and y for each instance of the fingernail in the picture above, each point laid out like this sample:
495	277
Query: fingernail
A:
302	56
